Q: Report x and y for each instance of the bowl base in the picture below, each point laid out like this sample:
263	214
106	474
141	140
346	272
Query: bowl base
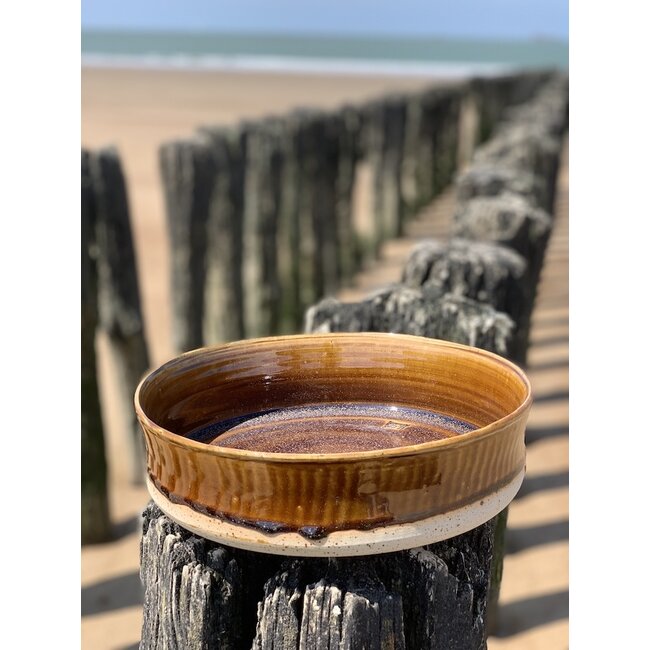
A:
342	543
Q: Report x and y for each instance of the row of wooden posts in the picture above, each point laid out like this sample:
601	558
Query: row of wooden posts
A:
477	287
264	219
262	223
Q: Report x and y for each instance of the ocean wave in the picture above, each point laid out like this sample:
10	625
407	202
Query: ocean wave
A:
246	63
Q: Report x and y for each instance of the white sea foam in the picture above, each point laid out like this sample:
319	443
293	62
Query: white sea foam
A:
248	63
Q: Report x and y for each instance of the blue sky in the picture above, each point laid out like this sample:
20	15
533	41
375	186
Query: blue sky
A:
473	18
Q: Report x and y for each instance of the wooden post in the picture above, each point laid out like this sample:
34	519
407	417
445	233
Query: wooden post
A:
421	312
446	121
348	246
418	156
389	117
327	130
482	271
223	318
525	147
492	180
120	313
425	135
547	110
187	173
199	594
307	165
411	156
288	226
430	144
262	186
316	173
510	220
95	519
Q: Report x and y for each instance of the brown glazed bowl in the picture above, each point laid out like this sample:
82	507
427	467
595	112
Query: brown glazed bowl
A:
337	503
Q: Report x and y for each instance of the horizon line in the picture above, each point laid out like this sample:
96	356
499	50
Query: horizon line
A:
324	34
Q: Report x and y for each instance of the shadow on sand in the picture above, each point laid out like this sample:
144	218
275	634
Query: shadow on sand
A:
524	614
533	434
542	482
521	538
114	593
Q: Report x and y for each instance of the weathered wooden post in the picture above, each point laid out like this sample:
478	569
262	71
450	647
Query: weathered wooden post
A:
316	157
446	119
418	155
120	313
223	317
387	122
547	110
187	173
510	220
328	128
200	594
288	225
482	271
262	187
315	239
431	143
525	147
493	179
420	312
425	172
307	165
349	152
95	519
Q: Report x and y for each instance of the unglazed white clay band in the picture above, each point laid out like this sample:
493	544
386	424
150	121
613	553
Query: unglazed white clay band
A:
385	539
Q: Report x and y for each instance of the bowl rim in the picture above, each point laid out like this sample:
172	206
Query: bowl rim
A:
376	454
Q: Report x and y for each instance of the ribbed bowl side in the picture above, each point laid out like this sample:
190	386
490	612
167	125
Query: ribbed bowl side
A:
338	494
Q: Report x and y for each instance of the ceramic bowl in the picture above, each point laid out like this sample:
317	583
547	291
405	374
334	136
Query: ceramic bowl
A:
363	496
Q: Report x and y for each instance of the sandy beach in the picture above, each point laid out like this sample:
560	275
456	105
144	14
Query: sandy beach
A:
137	110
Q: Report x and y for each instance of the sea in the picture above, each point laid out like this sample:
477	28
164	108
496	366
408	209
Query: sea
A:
313	53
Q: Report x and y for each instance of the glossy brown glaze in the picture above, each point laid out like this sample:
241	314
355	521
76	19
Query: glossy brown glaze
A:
333	491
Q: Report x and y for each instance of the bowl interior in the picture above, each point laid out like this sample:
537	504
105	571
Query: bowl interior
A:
210	385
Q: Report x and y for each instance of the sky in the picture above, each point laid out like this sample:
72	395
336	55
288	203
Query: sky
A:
520	19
